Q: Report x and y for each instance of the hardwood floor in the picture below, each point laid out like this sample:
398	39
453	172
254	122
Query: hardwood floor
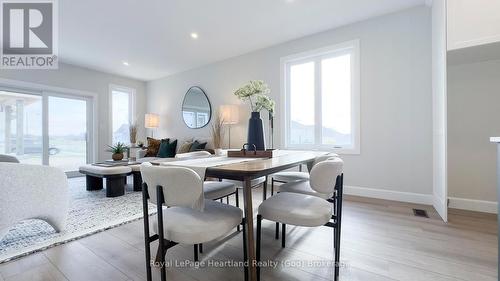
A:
381	240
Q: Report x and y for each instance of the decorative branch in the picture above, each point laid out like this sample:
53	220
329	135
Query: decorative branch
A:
217	130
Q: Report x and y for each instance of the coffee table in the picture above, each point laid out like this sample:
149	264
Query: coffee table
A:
116	178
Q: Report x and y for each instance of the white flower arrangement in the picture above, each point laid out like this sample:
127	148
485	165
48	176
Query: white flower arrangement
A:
264	102
259	91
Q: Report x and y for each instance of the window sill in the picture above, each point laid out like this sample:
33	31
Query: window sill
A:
340	151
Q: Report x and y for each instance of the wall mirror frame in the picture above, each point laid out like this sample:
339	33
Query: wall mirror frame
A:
196	108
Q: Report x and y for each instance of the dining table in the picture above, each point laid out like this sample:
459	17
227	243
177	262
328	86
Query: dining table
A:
245	172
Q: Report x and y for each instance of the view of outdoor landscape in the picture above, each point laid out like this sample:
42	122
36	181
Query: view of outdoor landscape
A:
21	130
335	97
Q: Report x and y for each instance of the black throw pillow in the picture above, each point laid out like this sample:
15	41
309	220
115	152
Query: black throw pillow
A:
167	149
197	146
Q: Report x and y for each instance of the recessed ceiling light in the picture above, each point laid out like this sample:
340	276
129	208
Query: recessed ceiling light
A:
194	35
125	63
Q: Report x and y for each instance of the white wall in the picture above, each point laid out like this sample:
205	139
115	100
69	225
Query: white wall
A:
82	79
396	100
473	117
472	23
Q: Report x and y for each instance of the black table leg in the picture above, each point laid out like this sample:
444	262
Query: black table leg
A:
93	183
137	181
115	186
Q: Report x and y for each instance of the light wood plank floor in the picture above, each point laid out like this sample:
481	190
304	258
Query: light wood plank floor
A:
381	240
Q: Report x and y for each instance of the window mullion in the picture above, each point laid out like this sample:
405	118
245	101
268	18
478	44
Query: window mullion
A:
317	102
45	128
287	105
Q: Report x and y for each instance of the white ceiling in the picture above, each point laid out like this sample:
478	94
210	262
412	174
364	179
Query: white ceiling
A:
153	36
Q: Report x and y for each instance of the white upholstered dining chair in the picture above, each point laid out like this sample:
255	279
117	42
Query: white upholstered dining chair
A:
213	190
308	210
254	183
292	176
184	215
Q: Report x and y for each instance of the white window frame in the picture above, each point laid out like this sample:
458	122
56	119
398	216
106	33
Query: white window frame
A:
351	47
131	105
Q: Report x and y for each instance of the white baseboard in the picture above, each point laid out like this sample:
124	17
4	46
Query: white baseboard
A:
424	199
409	197
474	205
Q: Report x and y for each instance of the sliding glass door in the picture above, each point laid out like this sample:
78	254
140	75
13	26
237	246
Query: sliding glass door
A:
47	128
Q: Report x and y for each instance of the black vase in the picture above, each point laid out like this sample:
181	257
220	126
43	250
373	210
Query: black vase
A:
256	132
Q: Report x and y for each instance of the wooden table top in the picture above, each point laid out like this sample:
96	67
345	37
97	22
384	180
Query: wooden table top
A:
285	159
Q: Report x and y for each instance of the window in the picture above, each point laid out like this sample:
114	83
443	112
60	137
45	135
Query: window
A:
321	99
122	112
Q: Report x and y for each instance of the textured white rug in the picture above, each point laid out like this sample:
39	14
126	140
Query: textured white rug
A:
89	212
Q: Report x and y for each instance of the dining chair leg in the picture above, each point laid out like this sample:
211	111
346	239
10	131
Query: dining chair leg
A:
283	233
201	248
259	234
161	247
245	254
237	198
195	250
340	193
145	212
272	186
334	219
227	199
277	234
335	246
264	190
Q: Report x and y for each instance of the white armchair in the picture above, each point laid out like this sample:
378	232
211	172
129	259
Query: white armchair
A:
32	192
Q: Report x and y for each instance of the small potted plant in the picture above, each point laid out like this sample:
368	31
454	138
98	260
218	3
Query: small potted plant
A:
118	149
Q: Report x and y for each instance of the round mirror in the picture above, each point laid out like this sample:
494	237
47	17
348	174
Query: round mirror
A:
196	109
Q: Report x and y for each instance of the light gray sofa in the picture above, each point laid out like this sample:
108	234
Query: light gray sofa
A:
32	192
142	152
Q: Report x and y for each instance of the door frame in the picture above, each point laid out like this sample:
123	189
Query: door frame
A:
439	108
89	128
45	91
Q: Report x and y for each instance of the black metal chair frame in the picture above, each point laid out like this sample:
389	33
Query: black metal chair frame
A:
336	224
165	244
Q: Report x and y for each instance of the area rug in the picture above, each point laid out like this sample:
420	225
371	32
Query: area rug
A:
89	212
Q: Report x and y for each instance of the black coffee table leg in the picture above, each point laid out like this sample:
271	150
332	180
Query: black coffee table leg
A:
137	181
115	186
93	183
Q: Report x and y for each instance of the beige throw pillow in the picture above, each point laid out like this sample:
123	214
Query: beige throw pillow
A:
185	147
